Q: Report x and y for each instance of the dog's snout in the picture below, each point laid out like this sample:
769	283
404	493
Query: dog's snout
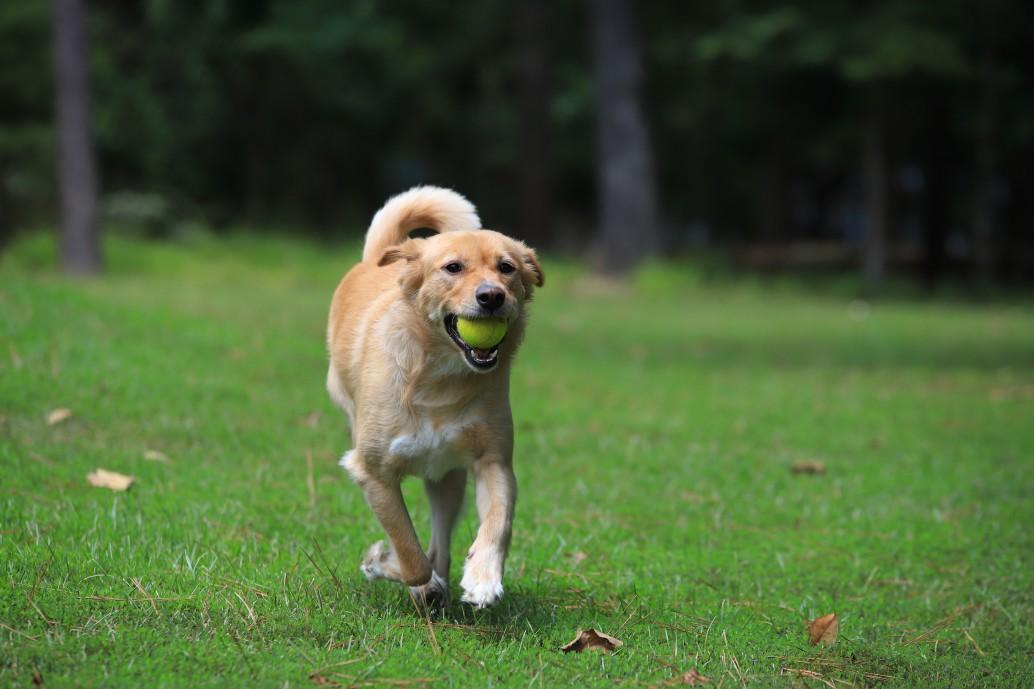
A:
490	297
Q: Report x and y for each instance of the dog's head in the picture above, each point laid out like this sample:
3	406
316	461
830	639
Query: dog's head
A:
473	275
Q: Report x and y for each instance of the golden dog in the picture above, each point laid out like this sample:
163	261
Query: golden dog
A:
421	401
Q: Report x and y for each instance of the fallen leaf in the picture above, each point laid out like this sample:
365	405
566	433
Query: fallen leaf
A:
16	358
808	466
312	420
58	415
37	679
692	497
693	678
156	456
823	630
577	558
590	638
102	478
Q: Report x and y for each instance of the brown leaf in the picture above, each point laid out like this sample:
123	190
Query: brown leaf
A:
693	678
56	416
37	679
156	456
808	466
577	558
102	478
823	630
592	639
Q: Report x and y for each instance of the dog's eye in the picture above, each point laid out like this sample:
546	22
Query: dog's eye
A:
506	268
453	267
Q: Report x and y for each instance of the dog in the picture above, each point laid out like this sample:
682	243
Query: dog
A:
420	400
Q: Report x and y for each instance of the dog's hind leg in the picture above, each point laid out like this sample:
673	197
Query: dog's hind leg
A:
446	498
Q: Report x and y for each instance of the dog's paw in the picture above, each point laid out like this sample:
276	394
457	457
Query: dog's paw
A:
433	595
482	581
379	562
482	594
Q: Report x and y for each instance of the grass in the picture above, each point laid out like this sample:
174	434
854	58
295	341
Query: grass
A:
656	427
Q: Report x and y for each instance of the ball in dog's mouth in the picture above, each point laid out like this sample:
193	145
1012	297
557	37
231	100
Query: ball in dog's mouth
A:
479	359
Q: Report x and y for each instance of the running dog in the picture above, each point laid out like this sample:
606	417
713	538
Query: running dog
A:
421	401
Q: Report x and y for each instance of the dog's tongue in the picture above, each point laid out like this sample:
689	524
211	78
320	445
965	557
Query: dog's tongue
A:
482	353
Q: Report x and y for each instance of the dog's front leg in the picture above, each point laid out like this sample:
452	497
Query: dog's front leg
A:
405	561
482	581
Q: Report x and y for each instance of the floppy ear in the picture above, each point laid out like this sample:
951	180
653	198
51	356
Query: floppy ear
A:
409	251
406	250
531	265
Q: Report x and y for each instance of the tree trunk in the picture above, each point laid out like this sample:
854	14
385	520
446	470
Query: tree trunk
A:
77	172
984	154
771	199
874	173
627	196
536	211
936	192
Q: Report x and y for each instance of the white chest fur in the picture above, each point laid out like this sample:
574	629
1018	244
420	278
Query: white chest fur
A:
430	451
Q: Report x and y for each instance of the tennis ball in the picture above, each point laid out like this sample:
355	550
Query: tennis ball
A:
481	333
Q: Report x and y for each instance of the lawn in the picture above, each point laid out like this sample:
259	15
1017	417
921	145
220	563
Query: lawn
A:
657	424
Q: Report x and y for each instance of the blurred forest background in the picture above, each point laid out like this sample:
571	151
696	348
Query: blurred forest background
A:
878	137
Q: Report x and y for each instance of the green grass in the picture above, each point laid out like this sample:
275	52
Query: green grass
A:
656	427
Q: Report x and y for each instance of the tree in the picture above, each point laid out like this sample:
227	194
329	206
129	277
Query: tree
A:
874	185
77	168
626	189
876	54
533	164
893	43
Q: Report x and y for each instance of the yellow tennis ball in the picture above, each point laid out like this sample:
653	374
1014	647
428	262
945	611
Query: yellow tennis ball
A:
481	333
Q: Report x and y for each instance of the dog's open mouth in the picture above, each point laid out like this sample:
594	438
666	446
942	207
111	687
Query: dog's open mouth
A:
480	359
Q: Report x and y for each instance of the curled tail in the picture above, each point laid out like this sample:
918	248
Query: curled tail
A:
442	210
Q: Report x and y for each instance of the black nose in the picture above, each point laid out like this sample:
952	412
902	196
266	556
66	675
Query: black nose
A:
490	297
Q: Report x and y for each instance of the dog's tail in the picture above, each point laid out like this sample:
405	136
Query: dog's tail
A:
438	209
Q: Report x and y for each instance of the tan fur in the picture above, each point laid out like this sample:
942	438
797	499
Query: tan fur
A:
432	207
416	407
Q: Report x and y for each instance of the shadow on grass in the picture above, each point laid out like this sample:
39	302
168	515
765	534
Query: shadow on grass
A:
519	611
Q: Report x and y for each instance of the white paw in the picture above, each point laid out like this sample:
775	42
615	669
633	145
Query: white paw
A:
435	593
481	593
372	564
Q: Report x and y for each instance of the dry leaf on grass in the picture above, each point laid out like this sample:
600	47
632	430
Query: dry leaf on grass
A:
592	639
312	420
156	456
577	558
102	478
693	678
56	416
808	466
823	630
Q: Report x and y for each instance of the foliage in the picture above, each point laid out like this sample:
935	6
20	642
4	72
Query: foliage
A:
312	112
